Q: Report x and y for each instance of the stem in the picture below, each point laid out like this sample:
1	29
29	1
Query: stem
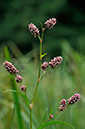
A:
38	80
53	116
30	118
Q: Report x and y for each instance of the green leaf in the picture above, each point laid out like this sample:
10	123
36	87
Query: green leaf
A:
43	55
51	111
55	122
44	116
7	55
23	95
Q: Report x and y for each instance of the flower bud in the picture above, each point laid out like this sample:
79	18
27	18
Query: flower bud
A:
51	116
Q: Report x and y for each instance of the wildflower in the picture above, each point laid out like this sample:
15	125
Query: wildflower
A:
10	67
50	23
23	88
75	98
33	29
18	79
44	66
62	105
56	61
51	116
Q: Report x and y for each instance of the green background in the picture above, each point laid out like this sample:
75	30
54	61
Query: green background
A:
66	39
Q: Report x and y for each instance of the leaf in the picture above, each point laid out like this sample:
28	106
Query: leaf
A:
7	55
44	115
55	122
23	95
43	55
51	111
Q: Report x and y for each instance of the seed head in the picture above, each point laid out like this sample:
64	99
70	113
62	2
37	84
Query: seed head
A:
62	105
50	23
75	98
10	67
56	61
33	29
44	66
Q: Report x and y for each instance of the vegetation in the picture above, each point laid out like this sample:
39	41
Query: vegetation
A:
66	39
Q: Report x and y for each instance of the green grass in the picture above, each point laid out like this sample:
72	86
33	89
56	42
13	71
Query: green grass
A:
59	83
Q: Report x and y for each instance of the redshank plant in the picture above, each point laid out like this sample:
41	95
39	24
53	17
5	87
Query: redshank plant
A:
45	67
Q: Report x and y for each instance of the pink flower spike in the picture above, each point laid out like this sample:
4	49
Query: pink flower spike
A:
33	29
75	98
62	105
18	79
44	66
10	67
23	88
55	62
50	23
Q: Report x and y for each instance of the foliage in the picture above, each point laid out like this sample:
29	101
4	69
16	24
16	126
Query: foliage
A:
68	78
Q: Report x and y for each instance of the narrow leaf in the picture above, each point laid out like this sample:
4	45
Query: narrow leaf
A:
43	55
51	111
44	116
23	95
55	122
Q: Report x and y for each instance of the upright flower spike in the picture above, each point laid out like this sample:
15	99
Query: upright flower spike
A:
75	98
44	66
50	23
33	29
10	67
62	105
56	61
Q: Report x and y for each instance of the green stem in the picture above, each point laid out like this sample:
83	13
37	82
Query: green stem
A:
38	80
30	118
53	116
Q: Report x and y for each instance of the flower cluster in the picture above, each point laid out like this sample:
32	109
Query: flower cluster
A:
72	100
12	70
75	98
54	63
10	67
50	23
44	66
33	29
18	79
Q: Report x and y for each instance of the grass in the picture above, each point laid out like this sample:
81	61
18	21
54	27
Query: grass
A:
59	83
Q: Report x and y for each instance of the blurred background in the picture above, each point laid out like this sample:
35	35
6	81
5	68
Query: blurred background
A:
66	39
